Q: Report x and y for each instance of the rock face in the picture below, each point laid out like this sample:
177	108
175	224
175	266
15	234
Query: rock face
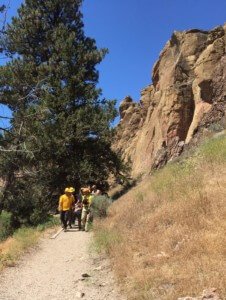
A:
188	93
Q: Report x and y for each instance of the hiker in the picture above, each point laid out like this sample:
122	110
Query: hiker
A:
95	191
86	207
71	211
65	205
78	214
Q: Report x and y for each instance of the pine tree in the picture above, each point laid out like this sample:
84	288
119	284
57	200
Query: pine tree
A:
61	131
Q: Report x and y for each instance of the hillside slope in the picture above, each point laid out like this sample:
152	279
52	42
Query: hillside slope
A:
166	237
188	93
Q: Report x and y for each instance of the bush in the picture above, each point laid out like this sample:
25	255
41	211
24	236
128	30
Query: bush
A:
5	225
100	206
51	222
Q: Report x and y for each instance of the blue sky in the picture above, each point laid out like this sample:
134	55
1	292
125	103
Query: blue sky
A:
135	31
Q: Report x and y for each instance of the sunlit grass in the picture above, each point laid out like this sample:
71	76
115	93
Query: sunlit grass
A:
22	240
173	228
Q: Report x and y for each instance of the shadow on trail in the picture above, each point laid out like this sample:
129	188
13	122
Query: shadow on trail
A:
73	230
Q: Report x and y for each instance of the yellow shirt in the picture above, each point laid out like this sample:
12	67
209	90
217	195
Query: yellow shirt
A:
65	202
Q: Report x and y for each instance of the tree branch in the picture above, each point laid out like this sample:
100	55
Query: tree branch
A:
4	9
6	130
16	150
3	117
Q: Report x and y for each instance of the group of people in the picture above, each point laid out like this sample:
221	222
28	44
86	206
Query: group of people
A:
78	207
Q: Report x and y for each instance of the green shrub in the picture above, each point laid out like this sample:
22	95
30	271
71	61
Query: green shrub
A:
52	221
216	127
100	206
5	225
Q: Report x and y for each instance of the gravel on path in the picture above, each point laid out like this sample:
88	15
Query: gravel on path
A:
62	268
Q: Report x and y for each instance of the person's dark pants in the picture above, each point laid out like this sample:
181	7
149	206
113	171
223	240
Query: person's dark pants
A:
70	217
73	217
64	214
78	216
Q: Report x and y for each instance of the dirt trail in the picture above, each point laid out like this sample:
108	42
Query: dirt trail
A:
55	271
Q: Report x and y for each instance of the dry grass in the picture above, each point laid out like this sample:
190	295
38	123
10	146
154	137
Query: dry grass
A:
23	239
14	247
169	232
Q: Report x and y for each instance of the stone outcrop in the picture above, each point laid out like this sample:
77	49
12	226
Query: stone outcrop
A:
188	92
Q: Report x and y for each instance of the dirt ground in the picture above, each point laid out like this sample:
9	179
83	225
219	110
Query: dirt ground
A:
60	268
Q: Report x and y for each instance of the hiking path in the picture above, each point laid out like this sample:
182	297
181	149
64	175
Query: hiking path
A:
60	268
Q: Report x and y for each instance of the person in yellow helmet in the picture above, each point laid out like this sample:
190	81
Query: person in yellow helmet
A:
65	205
86	207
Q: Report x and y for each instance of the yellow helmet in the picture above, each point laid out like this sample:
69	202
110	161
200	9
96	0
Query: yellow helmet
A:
69	190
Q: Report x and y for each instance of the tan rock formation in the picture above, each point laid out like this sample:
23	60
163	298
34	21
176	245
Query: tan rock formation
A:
188	91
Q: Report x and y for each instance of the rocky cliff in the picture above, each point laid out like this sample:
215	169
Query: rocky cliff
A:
187	94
